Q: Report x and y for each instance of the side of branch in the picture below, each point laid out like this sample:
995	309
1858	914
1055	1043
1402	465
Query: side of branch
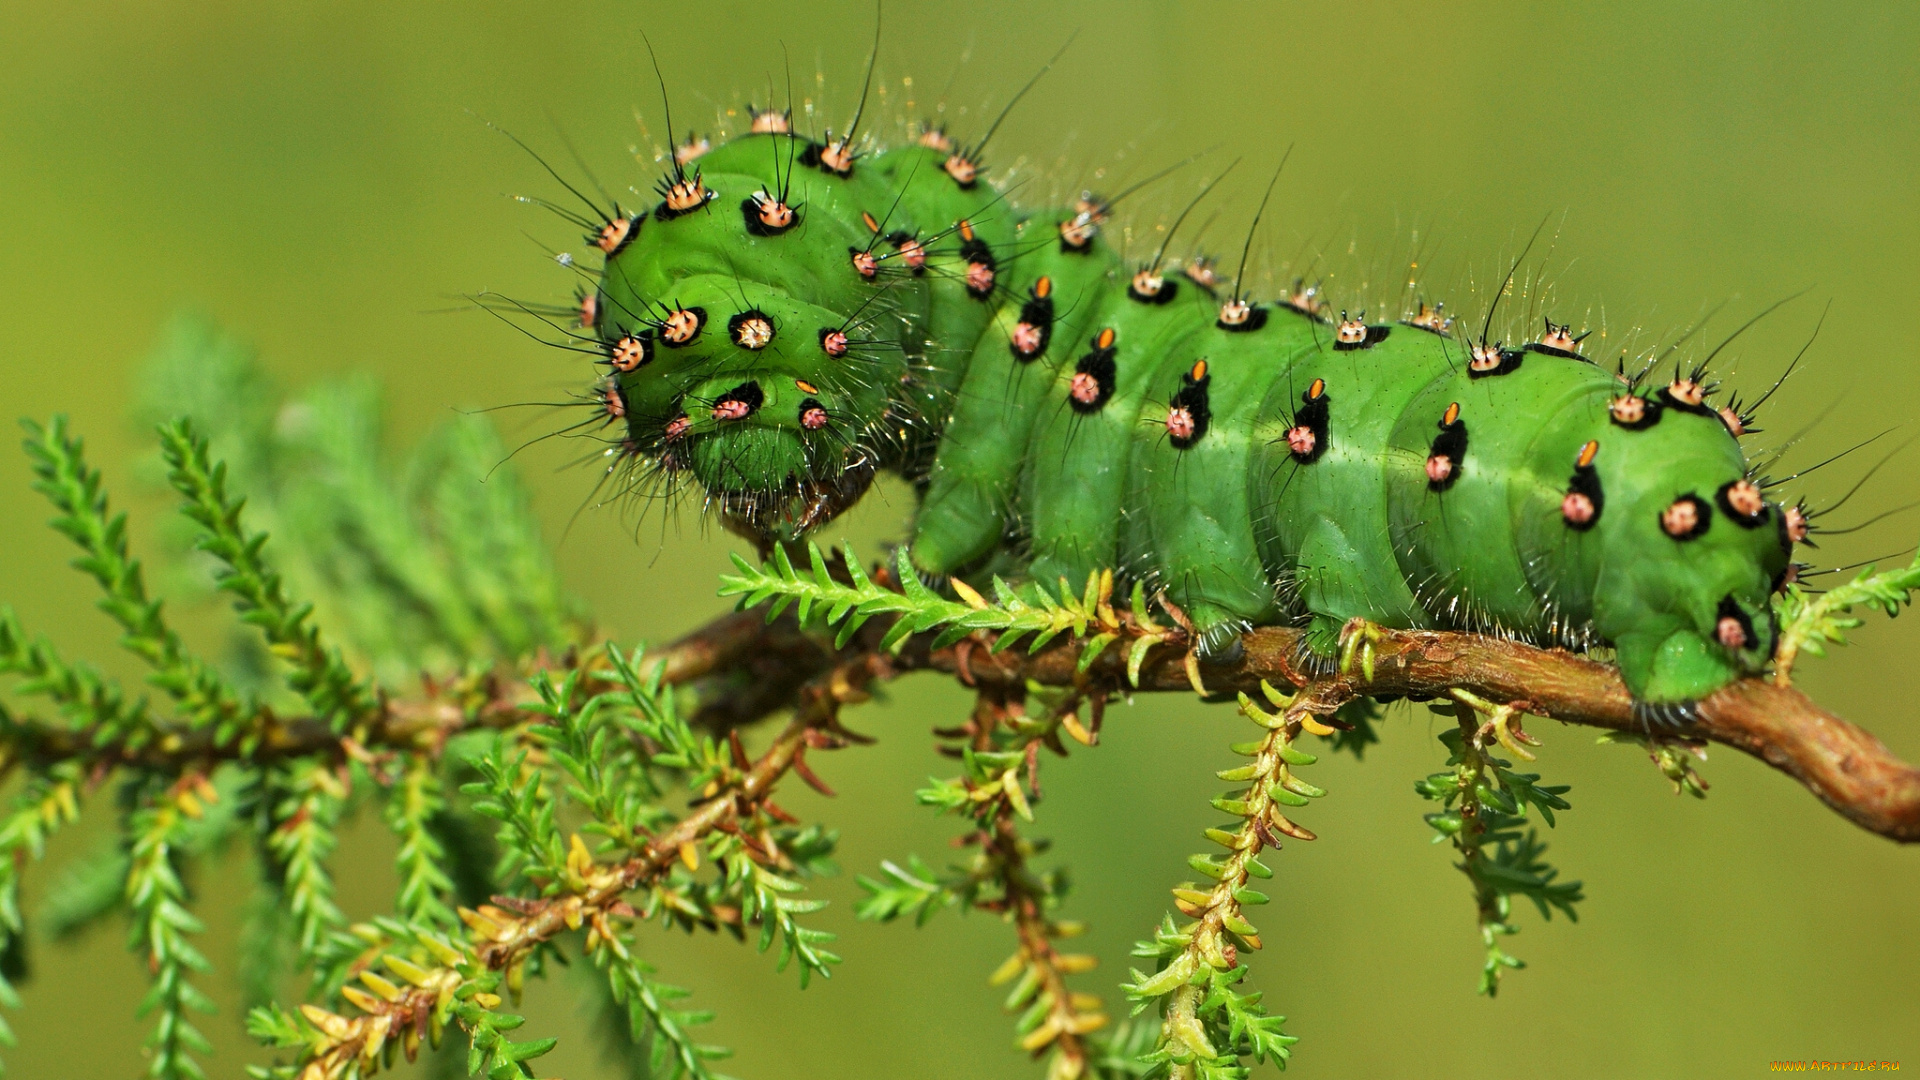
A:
1843	765
745	668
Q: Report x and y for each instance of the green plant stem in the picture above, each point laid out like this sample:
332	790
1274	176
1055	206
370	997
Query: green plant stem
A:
426	891
316	672
306	800
161	923
1490	906
59	463
98	714
1207	1027
42	806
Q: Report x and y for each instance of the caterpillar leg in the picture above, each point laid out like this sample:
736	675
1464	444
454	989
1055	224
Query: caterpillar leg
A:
1216	633
1357	639
1669	675
1502	722
1339	580
1656	715
1318	654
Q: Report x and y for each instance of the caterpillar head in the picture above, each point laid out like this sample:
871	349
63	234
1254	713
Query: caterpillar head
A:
756	414
743	347
1685	589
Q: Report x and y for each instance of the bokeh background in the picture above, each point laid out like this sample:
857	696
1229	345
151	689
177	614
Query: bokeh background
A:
315	176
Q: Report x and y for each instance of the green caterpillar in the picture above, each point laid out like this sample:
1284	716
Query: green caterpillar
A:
793	316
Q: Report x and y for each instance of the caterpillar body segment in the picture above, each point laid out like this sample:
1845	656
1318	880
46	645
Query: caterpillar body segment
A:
1322	509
1061	412
1196	510
971	495
1084	442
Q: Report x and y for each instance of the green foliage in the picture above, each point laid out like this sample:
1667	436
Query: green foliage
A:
161	923
317	673
47	801
1122	1053
612	780
1484	806
305	801
653	1023
426	891
995	794
493	1055
662	741
915	890
424	560
1212	1031
773	902
602	764
63	476
209	759
849	605
1809	622
89	703
266	953
1209	1029
422	994
87	889
531	846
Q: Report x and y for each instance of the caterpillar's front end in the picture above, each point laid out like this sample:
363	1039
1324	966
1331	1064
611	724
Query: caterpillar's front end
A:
772	325
1659	539
1528	493
1687	573
732	360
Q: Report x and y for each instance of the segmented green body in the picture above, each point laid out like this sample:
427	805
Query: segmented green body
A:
1317	475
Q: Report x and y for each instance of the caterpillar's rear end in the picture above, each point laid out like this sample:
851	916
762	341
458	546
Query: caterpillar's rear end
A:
1496	490
792	317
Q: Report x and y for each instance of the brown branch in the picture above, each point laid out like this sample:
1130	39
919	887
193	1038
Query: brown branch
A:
1066	1025
819	709
1846	767
501	936
744	669
741	667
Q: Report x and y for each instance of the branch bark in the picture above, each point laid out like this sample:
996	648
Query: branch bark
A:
744	668
1843	765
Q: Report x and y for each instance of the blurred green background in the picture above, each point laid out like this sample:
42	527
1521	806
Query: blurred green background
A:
315	177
